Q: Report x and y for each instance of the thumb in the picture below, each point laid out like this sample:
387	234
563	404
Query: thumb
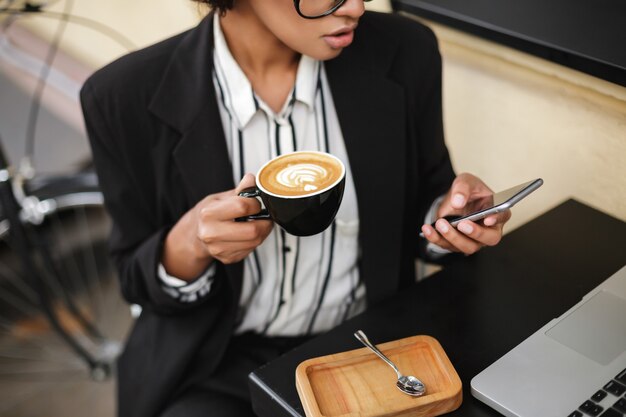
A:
459	193
464	187
246	182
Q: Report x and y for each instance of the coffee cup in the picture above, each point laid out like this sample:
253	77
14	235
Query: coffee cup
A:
301	191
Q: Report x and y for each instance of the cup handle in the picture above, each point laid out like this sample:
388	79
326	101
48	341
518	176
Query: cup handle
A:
253	192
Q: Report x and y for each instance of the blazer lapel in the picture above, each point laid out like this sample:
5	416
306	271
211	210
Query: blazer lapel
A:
371	113
186	100
202	156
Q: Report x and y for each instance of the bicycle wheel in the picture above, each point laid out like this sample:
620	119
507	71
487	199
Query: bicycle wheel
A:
81	286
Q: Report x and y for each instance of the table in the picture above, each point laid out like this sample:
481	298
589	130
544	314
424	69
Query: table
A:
478	307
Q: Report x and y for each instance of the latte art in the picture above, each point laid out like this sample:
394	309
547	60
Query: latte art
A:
304	176
300	173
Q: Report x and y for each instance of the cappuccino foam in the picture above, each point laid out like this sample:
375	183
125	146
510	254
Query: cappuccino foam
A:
300	174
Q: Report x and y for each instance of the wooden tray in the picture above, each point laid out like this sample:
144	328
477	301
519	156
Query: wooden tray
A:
358	383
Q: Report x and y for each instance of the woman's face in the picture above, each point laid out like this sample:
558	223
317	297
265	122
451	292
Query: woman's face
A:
322	38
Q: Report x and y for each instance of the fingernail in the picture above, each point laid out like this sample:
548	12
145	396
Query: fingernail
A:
442	226
465	228
458	200
489	221
426	231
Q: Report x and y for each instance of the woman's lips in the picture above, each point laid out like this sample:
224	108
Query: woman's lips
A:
340	40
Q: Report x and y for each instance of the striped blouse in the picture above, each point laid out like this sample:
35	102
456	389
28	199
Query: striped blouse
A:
291	285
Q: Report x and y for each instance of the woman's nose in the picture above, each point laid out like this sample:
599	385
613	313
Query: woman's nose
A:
351	8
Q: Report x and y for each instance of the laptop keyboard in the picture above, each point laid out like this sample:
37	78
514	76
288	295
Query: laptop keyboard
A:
608	401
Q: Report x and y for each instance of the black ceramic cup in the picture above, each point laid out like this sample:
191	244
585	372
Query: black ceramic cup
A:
305	213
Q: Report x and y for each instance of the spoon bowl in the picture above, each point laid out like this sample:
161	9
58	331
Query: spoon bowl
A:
411	385
406	383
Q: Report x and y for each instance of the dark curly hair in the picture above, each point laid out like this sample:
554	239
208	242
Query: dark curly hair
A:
219	5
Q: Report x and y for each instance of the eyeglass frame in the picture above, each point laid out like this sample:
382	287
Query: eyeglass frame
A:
332	10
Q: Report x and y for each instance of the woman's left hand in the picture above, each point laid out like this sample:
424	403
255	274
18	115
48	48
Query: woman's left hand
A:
468	237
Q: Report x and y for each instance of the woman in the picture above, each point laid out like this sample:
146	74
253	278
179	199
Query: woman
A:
175	126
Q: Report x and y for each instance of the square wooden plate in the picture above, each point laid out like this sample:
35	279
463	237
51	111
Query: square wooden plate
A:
357	383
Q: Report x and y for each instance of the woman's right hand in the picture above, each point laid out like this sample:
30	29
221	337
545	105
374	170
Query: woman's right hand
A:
208	231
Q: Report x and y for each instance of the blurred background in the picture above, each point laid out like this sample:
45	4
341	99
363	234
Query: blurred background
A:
509	117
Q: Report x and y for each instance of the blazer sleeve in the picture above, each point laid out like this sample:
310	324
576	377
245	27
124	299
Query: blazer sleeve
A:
436	172
136	240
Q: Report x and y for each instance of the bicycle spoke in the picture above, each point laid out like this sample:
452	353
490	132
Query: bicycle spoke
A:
12	276
69	300
89	258
69	264
18	304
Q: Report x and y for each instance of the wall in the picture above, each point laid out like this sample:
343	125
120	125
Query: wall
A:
509	117
141	22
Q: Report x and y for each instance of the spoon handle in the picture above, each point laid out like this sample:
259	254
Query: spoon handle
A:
361	337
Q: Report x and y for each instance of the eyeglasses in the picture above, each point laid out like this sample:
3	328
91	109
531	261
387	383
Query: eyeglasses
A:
314	9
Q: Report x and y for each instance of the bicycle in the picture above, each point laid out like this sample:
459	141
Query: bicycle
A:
53	273
61	312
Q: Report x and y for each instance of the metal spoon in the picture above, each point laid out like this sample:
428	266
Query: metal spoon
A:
407	384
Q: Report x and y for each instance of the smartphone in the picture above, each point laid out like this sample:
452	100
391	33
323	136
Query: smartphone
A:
494	203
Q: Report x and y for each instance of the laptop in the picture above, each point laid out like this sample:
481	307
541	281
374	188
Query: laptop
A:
573	366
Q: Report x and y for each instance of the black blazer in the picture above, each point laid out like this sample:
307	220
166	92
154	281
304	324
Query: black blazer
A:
158	146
